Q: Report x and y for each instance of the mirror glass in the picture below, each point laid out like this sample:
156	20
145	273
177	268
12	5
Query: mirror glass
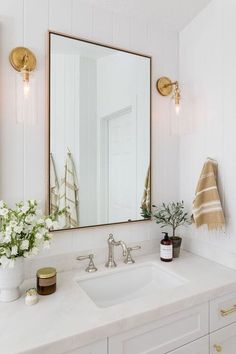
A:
99	110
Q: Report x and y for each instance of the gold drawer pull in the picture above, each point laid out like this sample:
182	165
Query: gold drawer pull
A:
228	312
218	348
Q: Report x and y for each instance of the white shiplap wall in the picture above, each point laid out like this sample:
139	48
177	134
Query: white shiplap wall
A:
207	75
22	147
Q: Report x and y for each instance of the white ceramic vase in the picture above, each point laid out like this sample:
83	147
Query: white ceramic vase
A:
10	280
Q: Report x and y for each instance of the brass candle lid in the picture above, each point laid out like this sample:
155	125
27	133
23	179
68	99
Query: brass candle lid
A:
31	292
48	272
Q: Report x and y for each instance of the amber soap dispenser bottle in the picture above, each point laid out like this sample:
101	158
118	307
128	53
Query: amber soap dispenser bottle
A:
166	248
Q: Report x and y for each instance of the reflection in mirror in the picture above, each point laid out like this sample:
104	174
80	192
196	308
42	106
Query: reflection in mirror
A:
99	133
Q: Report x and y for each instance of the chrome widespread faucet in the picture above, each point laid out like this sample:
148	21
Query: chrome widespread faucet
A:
111	243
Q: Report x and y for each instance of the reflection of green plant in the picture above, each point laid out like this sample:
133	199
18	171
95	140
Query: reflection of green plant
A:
171	214
146	213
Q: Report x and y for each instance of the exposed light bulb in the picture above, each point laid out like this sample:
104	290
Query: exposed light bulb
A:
26	111
26	86
26	89
177	108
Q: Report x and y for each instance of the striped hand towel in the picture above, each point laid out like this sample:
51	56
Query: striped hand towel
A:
54	186
146	199
207	208
69	195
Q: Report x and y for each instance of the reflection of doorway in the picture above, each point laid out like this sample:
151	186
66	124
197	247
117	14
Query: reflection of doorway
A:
120	165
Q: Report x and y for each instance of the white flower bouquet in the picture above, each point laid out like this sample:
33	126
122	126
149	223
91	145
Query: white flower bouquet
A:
23	230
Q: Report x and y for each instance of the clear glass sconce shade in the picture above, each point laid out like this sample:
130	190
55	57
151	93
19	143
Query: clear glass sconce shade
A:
26	88
175	117
25	99
177	108
176	98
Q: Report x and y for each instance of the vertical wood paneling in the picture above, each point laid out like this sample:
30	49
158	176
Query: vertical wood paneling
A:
22	147
58	147
11	133
102	25
121	31
229	119
163	142
139	36
207	69
82	18
35	37
60	15
70	98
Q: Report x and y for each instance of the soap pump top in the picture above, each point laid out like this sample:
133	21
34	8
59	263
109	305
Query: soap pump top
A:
166	236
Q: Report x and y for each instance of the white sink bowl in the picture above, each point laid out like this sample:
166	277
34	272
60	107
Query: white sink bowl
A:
131	282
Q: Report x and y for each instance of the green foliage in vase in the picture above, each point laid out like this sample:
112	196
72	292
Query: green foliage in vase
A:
171	214
23	230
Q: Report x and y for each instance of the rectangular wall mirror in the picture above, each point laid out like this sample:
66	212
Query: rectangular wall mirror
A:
99	117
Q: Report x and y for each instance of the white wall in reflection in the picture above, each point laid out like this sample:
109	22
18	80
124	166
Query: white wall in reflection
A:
100	112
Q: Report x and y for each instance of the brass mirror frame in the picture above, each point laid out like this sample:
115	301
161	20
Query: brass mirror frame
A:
48	127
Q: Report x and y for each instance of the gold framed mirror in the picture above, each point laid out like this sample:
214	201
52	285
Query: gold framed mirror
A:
99	133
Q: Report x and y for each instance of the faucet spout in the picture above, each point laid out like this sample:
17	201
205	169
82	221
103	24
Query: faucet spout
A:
124	248
111	243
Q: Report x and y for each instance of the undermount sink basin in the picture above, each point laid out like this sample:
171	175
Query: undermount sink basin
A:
116	286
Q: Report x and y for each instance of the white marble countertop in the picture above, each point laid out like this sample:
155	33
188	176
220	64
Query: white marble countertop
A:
68	318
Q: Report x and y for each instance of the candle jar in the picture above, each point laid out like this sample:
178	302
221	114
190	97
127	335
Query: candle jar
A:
46	281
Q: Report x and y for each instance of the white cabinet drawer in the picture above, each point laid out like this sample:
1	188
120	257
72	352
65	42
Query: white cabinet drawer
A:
224	340
164	335
200	346
222	311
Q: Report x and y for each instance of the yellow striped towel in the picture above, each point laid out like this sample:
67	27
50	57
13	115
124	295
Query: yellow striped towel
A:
207	208
54	186
146	199
69	195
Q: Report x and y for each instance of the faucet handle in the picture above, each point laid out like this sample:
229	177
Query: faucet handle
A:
129	259
91	266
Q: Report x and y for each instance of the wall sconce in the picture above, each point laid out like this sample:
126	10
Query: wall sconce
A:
24	61
166	87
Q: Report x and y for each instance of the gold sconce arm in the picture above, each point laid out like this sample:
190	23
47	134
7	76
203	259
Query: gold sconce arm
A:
166	87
